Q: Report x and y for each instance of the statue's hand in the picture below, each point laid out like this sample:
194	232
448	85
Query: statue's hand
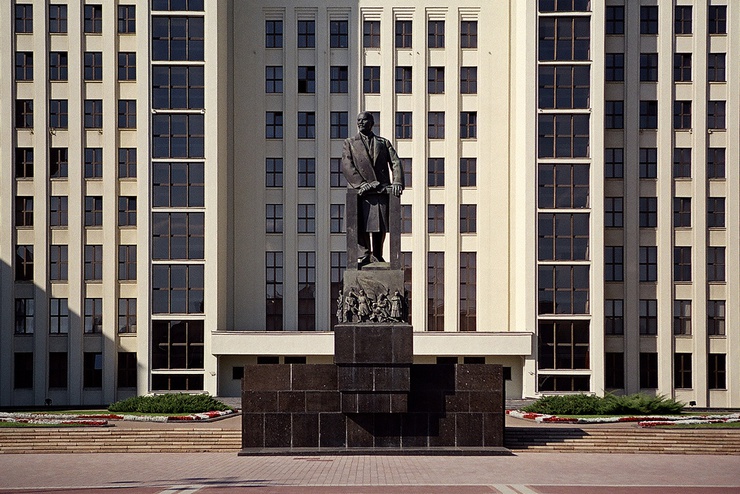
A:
396	189
365	187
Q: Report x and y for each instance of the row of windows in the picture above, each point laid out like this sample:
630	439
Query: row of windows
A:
59	114
648	317
648	264
59	66
716	114
92	20
59	262
59	163
682	67
682	370
683	19
25	315
58	368
648	218
59	211
648	164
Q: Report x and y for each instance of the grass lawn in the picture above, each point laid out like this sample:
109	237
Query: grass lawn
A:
98	412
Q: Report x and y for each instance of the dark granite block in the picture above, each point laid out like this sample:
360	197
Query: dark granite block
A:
479	377
485	401
355	378
266	377
457	402
428	401
387	431
344	344
414	430
314	377
373	402
373	344
277	430
323	401
292	401
305	430
399	403
253	430
469	429
392	378
439	377
493	430
360	430
349	403
259	401
442	430
332	430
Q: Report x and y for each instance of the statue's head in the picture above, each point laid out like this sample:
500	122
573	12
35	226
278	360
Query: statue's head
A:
365	121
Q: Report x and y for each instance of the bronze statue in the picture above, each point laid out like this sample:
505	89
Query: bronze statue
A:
371	165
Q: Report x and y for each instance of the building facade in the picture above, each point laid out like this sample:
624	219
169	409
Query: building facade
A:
171	186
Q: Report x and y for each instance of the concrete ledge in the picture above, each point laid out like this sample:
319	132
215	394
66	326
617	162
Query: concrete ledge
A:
442	451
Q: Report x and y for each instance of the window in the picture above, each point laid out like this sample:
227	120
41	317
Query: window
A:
371	34
436	125
468	214
436	34
57	19
58	316
93	66
682	67
127	211
274	125
58	114
562	237
648	67
178	136
682	115
177	344
93	113
403	34
93	162
306	172
716	163
126	19
126	66
306	218
614	263
93	262
682	21
614	67
274	218
717	19
435	291
682	163
563	345
403	80
436	218
371	79
273	34
716	317
469	34
23	163
126	162
58	66
406	164
336	176
127	263
306	291
58	162
468	291
436	172
93	211
648	162
127	369
127	315
274	79
715	212
274	290
177	235
468	80
648	114
562	186
648	212
23	18
177	5
403	125
648	317
58	263
649	19
564	5
614	370
339	82
57	370
93	19
717	371
339	34
468	125
682	370
338	125
93	315
23	66
682	264
468	172
614	316
306	34
648	370
564	86
406	218
682	317
178	87
614	163
24	113
614	20
563	289
613	212
564	38
436	80
563	136
24	314
58	211
614	114
306	125
24	263
177	38
716	115
648	263
716	67
682	212
336	218
23	370
716	264
177	288
306	79
178	185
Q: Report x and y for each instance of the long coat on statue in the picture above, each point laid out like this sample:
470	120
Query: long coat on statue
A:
381	164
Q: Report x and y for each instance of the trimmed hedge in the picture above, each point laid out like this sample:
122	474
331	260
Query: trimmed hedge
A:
169	403
581	404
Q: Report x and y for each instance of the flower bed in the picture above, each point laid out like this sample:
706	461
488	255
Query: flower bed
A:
642	421
102	419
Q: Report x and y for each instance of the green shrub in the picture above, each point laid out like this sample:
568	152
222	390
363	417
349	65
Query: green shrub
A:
169	403
581	404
